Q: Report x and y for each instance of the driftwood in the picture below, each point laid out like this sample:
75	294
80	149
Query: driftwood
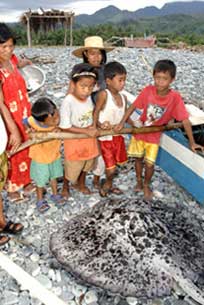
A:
40	137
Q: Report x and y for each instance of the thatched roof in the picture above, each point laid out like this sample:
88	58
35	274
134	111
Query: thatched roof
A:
46	20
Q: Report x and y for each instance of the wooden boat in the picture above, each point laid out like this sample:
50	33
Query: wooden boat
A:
177	160
34	77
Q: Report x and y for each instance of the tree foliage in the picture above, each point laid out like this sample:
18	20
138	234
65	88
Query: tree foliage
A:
189	29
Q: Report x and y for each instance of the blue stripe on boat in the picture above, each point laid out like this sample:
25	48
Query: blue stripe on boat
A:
184	176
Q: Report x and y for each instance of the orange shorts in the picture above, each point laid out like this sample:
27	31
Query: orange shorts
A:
113	152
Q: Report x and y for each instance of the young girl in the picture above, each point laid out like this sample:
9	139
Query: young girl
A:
46	163
94	52
13	94
76	116
15	140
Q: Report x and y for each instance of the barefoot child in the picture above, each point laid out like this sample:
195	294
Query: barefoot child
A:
46	163
110	109
160	104
15	140
76	116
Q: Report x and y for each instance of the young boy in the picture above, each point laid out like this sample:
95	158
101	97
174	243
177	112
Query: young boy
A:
76	115
110	109
46	163
160	104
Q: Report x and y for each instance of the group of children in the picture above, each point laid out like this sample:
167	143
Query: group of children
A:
158	103
95	101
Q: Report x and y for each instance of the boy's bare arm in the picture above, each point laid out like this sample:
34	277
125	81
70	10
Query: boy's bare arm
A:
100	103
89	131
129	120
188	130
127	114
15	138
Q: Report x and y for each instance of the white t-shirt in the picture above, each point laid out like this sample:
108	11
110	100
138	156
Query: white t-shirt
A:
3	137
75	112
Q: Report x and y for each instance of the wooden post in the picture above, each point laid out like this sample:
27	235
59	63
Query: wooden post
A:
28	30
65	29
71	36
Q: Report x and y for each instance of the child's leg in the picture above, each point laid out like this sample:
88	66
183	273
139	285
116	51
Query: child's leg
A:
55	197
109	178
40	191
65	188
53	184
108	185
2	218
40	174
149	171
96	181
99	170
42	204
3	239
151	151
88	166
81	184
138	171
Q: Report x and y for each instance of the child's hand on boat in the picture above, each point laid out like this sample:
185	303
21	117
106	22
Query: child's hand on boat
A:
196	147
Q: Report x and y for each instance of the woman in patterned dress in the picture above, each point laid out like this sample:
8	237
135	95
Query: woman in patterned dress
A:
13	94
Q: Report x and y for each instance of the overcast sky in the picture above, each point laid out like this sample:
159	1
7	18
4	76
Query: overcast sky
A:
11	10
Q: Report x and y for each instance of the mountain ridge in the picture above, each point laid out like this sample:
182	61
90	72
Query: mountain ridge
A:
112	14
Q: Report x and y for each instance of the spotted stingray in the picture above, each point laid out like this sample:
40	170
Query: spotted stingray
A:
133	249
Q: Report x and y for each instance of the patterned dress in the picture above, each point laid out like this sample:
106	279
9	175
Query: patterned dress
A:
17	102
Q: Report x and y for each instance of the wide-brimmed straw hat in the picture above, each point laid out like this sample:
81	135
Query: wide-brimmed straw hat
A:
92	42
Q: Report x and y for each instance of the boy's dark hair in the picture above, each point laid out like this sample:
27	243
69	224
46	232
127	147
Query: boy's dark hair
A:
113	68
165	65
42	108
6	33
83	70
103	61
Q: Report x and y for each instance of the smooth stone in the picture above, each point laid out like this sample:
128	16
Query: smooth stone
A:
57	291
71	302
35	257
90	297
24	300
45	281
67	295
132	301
59	94
10	297
36	271
51	275
58	276
78	290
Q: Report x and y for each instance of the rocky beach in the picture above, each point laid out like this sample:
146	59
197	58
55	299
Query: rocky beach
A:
31	250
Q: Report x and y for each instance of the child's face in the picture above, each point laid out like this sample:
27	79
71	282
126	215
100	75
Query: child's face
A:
162	81
53	120
83	88
94	57
6	50
117	83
